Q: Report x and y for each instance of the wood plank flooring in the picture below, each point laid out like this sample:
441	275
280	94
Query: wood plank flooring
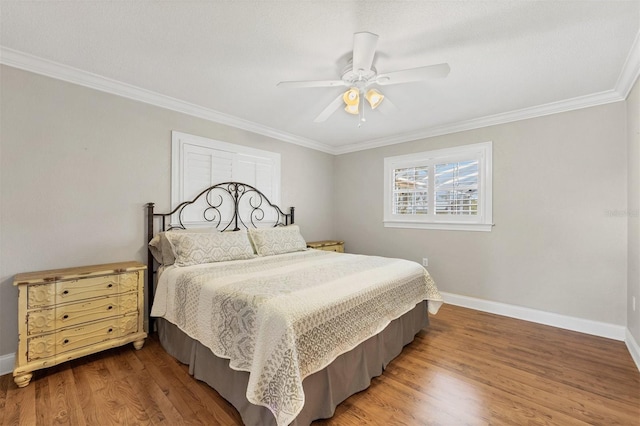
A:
466	368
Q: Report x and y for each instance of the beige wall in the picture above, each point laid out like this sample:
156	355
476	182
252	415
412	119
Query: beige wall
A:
633	136
78	165
559	200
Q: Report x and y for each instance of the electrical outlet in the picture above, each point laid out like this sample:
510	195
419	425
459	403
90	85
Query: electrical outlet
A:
425	261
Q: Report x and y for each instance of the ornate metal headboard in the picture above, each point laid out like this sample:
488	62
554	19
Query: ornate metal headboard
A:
228	206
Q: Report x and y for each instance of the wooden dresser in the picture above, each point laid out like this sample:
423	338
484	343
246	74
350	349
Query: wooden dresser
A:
65	314
327	245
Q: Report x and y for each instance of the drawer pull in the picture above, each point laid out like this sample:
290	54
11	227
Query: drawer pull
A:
109	308
110	330
110	285
65	316
65	292
65	341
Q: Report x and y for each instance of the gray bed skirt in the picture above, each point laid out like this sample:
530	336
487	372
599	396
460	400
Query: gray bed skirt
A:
350	373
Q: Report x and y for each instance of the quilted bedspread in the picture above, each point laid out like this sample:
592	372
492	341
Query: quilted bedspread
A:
284	317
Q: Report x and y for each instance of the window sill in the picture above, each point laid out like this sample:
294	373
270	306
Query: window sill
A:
448	226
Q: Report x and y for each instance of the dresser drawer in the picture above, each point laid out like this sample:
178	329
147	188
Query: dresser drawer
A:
82	288
73	338
51	319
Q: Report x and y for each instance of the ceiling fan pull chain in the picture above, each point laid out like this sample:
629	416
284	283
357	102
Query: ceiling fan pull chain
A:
362	119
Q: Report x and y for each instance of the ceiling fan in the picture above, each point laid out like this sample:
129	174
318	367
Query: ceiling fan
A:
360	74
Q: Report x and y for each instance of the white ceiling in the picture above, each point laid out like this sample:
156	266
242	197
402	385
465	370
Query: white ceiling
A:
222	59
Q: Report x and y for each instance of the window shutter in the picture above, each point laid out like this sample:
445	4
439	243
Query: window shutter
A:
456	188
411	190
449	188
198	163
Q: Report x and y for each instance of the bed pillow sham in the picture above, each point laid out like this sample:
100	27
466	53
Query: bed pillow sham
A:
196	248
278	240
161	249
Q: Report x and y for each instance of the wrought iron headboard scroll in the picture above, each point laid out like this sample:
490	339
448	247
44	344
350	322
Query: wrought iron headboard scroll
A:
227	193
216	195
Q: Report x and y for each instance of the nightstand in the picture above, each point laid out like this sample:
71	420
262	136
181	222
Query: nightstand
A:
327	245
65	314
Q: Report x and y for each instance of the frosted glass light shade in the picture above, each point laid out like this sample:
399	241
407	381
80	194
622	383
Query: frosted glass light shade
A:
374	98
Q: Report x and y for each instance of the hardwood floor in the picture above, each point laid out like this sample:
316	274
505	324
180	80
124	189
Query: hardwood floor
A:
466	368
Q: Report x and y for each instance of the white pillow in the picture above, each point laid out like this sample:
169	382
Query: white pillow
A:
196	248
278	240
161	249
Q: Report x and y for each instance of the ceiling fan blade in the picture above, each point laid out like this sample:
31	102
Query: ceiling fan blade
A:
387	107
316	83
329	110
414	74
364	47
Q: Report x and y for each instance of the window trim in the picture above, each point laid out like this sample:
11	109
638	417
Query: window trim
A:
482	222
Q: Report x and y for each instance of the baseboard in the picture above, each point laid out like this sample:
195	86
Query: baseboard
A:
7	363
633	347
596	328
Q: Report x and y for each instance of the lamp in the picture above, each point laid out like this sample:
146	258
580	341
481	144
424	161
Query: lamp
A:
374	98
351	98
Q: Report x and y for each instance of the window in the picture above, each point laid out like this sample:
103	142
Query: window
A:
198	163
443	189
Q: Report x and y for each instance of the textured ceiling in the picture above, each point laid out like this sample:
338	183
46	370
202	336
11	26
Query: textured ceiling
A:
228	56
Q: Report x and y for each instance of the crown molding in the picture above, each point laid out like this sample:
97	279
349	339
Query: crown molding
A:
630	70
627	78
31	63
27	62
491	120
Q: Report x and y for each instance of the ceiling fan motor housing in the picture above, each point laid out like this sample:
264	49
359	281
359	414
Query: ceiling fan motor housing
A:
358	78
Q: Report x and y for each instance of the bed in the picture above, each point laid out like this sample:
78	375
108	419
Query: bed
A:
282	332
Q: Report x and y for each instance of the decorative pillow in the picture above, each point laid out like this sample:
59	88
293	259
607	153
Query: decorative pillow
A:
161	249
155	247
193	249
278	240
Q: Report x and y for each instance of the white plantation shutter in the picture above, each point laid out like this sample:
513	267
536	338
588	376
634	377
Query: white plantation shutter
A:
259	171
198	163
411	190
201	168
456	188
443	189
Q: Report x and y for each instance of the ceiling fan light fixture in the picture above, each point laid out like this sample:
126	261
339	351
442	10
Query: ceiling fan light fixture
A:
352	109
351	96
374	98
352	99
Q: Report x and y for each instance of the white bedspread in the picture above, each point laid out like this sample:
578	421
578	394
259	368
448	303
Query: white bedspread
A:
282	318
